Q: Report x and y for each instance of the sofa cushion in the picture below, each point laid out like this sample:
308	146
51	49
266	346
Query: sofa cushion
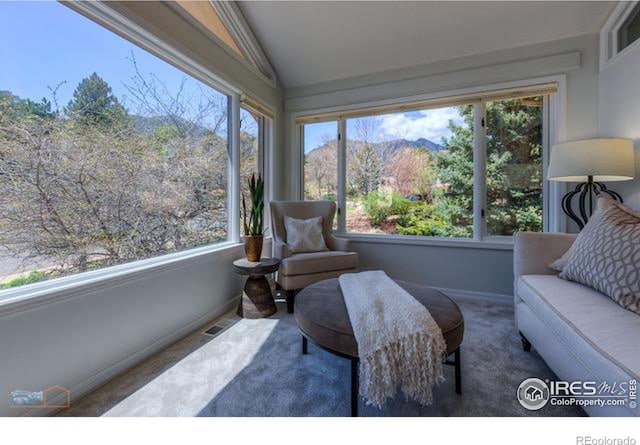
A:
589	323
314	262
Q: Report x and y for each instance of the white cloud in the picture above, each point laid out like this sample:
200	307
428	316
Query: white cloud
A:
430	124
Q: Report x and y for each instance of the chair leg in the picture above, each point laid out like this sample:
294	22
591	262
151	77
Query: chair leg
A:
355	386
291	296
526	344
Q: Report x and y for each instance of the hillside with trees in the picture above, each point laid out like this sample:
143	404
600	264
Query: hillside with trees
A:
91	183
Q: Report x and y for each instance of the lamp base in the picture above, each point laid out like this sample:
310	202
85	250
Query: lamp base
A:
585	192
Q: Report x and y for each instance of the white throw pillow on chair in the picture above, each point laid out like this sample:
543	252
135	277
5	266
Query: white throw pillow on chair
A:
304	235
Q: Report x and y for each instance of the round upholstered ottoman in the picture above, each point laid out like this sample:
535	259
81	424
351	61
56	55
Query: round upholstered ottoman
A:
322	317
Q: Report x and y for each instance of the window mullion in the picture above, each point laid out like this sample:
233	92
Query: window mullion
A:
234	169
301	183
547	223
342	176
265	165
479	170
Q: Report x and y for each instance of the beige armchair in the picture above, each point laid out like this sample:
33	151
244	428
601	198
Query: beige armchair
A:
301	269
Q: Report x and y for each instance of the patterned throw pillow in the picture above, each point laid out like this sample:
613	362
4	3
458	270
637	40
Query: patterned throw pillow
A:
606	255
601	205
304	235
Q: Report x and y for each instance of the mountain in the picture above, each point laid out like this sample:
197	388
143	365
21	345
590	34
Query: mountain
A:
418	143
393	145
148	125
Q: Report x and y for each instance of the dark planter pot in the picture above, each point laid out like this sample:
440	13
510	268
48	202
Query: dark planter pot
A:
253	247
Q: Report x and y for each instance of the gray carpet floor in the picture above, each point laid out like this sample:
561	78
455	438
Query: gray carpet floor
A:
255	368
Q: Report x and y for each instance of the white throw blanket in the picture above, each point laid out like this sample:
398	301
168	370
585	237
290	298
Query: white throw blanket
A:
399	343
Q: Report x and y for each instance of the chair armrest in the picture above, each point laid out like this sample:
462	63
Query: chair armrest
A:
280	249
533	251
341	244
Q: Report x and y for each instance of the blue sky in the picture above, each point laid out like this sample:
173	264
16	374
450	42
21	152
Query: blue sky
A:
44	43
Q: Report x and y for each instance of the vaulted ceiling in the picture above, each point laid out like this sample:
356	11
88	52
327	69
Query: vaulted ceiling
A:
312	42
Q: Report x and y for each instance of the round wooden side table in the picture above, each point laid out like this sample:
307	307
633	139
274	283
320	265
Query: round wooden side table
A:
257	299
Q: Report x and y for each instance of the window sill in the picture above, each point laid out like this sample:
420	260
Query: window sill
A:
495	243
31	295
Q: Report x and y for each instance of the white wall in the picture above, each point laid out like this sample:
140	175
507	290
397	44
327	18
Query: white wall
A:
486	270
80	337
619	111
457	268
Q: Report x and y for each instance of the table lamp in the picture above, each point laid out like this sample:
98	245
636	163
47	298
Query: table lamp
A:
590	162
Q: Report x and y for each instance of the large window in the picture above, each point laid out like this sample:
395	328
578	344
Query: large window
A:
108	154
459	169
411	173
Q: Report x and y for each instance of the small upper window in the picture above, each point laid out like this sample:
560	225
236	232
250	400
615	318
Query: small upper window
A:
629	32
620	31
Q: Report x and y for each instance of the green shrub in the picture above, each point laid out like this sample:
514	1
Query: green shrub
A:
378	207
421	221
329	197
375	207
399	205
32	277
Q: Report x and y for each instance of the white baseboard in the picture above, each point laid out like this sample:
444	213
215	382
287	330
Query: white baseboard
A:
463	294
103	376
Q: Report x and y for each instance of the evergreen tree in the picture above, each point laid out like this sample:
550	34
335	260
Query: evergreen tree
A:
454	169
513	172
93	104
10	103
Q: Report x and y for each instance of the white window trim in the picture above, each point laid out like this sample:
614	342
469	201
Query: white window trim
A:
479	170
609	53
495	243
241	32
556	221
265	166
68	286
233	169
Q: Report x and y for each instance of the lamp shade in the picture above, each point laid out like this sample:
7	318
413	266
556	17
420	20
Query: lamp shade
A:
604	159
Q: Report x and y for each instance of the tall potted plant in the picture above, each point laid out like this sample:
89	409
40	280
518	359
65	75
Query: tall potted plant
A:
252	219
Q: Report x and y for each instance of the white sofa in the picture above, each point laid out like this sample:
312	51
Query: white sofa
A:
579	332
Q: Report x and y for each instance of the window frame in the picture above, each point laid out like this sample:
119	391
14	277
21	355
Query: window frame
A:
123	27
265	125
553	117
609	52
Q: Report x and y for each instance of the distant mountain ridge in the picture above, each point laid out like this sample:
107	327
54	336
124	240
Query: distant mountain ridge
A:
418	143
395	145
